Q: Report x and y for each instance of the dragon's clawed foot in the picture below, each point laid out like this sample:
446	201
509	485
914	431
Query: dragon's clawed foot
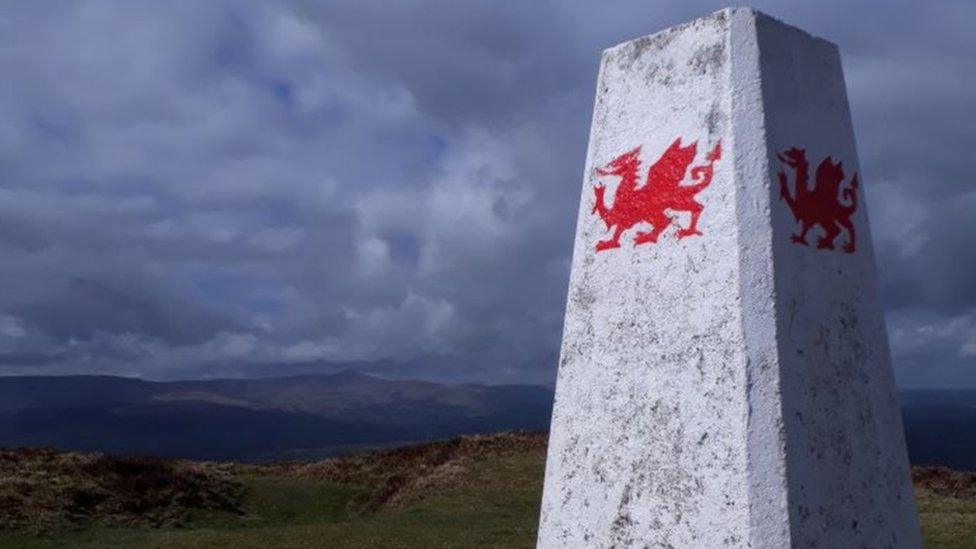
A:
644	238
825	244
797	239
849	248
607	245
688	232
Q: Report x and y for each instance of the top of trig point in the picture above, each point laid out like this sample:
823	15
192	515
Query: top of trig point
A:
662	37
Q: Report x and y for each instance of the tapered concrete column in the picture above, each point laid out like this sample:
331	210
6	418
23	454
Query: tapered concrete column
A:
725	379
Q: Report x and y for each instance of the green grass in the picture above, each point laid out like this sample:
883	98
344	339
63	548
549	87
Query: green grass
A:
947	523
496	505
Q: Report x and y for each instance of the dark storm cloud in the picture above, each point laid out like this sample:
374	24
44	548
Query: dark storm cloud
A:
205	188
82	308
31	359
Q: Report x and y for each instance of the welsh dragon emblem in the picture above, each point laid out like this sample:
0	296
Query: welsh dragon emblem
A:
822	205
662	191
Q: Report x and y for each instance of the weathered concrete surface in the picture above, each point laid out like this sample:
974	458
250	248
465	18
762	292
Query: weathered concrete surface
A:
733	388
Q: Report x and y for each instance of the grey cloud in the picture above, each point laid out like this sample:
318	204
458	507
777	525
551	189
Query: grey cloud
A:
210	189
84	307
31	359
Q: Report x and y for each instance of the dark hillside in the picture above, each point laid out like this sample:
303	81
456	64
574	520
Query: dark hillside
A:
294	417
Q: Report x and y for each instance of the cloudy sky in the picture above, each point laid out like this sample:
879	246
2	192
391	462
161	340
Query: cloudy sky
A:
221	188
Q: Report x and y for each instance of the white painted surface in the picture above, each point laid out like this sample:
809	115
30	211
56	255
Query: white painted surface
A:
732	389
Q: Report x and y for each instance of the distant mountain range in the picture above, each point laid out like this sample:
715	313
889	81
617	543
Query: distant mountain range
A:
291	417
309	417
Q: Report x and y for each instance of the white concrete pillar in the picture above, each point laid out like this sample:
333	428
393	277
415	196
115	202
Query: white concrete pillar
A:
725	379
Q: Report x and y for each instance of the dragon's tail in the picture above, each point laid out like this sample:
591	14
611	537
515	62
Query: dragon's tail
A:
696	188
850	194
703	174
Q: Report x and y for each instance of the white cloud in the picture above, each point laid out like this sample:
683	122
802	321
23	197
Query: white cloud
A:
11	327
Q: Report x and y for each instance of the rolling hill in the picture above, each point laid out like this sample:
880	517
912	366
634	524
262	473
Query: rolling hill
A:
316	416
291	417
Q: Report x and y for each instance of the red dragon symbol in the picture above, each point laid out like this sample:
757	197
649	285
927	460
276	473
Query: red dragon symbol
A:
821	205
662	191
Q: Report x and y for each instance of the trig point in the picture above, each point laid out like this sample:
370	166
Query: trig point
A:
725	379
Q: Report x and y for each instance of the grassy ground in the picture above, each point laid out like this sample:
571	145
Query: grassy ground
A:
495	507
947	522
467	496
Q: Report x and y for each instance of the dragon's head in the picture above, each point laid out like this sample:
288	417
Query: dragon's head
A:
625	164
793	157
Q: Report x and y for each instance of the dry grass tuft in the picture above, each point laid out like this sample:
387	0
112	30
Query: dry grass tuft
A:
945	482
404	475
43	489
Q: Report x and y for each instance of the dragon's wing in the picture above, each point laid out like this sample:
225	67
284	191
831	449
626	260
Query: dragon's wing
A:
669	170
